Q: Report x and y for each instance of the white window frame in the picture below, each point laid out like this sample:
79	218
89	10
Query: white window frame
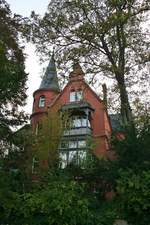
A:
76	96
72	96
42	101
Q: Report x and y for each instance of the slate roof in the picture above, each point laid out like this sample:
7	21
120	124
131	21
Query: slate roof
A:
50	79
116	122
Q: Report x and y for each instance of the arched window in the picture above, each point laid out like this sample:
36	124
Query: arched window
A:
42	101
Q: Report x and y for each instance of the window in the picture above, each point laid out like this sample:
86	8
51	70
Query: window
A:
89	125
81	156
81	144
76	96
37	129
84	124
64	144
73	152
73	144
72	96
42	101
35	165
77	144
76	122
79	121
63	159
72	157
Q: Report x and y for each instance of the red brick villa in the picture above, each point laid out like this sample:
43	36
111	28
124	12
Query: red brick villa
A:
89	115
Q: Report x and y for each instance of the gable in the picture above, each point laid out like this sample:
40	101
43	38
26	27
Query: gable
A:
89	95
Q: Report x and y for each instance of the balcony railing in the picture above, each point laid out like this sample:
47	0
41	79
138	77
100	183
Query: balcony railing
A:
78	131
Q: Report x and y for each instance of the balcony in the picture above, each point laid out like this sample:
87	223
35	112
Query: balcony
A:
79	105
78	131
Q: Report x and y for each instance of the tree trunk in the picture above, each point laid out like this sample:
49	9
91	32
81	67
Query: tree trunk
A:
126	112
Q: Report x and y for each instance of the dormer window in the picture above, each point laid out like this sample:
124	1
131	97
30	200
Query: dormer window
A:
76	96
42	101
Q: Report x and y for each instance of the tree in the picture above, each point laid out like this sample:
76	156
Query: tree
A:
12	72
130	173
106	36
133	196
46	140
59	201
134	150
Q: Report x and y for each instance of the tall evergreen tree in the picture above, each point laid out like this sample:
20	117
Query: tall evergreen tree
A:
106	35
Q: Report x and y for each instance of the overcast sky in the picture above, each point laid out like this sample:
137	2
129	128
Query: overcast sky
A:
33	68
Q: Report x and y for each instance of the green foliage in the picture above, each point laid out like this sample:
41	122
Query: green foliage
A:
77	196
134	150
134	196
47	140
12	72
106	36
131	173
61	201
10	189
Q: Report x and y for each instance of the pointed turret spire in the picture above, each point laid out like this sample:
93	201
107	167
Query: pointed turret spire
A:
77	68
77	72
50	79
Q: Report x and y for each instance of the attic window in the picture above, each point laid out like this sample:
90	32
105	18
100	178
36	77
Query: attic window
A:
76	96
42	101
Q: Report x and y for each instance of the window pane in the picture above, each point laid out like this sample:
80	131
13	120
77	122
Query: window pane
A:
35	165
79	95
72	144
76	122
72	156
82	144
83	122
81	158
72	96
89	125
63	159
81	155
37	129
64	144
42	101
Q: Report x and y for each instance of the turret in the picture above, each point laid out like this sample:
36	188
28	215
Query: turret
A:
48	90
